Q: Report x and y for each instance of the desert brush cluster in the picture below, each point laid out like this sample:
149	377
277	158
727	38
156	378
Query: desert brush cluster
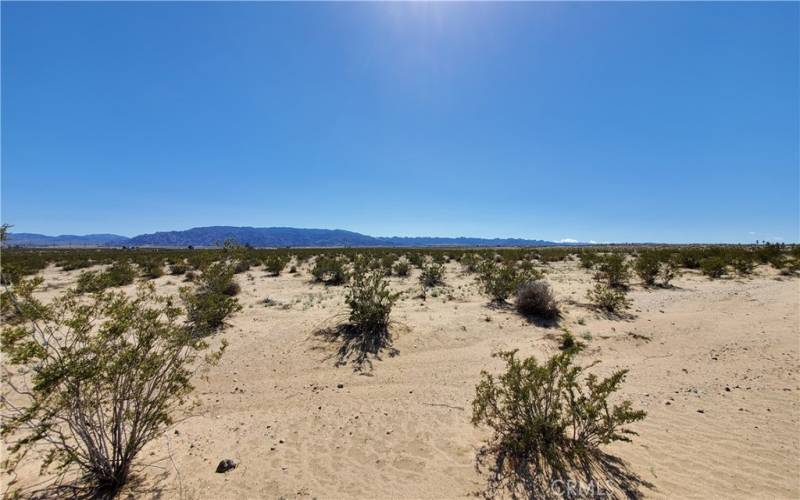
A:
95	374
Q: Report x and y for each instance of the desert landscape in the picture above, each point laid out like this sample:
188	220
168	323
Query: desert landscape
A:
713	362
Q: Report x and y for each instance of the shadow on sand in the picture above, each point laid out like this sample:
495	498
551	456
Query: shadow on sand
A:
357	346
595	475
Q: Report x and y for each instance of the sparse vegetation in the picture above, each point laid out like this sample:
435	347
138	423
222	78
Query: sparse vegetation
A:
432	275
212	301
500	281
329	270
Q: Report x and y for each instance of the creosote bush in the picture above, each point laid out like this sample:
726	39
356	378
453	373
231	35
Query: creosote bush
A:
613	270
370	302
612	300
274	264
329	270
713	267
536	299
500	281
552	410
119	274
104	377
212	301
402	268
432	275
647	267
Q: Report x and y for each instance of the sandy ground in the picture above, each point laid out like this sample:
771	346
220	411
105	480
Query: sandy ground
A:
714	363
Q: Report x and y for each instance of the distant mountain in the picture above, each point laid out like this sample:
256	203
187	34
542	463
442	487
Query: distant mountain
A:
65	240
260	237
254	236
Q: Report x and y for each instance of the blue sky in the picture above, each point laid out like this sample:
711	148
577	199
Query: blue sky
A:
671	122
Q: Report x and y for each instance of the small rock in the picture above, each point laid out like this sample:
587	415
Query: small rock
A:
700	411
225	465
340	386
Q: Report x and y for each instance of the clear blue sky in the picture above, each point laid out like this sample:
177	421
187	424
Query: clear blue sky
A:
614	122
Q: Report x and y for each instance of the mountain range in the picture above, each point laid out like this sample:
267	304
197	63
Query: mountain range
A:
259	237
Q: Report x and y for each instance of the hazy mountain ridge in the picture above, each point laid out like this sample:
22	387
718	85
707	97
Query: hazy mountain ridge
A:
260	237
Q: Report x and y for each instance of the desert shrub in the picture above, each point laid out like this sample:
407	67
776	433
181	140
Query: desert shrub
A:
500	281
536	299
152	269
119	274
402	267
470	262
74	264
106	378
669	270
551	410
190	276
713	267
415	259
293	270
241	266
743	265
612	300
212	301
587	259
647	267
370	302
432	275
178	268
387	261
613	270
274	264
329	270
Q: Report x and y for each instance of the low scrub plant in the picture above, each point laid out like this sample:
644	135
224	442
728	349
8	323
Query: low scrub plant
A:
274	264
551	411
647	267
500	281
119	274
370	302
714	267
329	270
536	299
402	268
432	275
152	269
212	301
606	298
104	379
613	270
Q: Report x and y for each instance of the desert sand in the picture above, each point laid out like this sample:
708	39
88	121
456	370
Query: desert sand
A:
713	362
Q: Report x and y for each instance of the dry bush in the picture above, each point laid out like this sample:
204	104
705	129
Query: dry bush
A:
536	299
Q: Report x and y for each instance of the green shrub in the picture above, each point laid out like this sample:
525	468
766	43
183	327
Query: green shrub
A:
402	268
274	264
743	265
713	267
500	281
329	270
536	299
152	269
551	410
432	275
119	274
370	302
647	267
471	262
612	300
587	259
212	301
178	268
613	270
670	269
106	380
